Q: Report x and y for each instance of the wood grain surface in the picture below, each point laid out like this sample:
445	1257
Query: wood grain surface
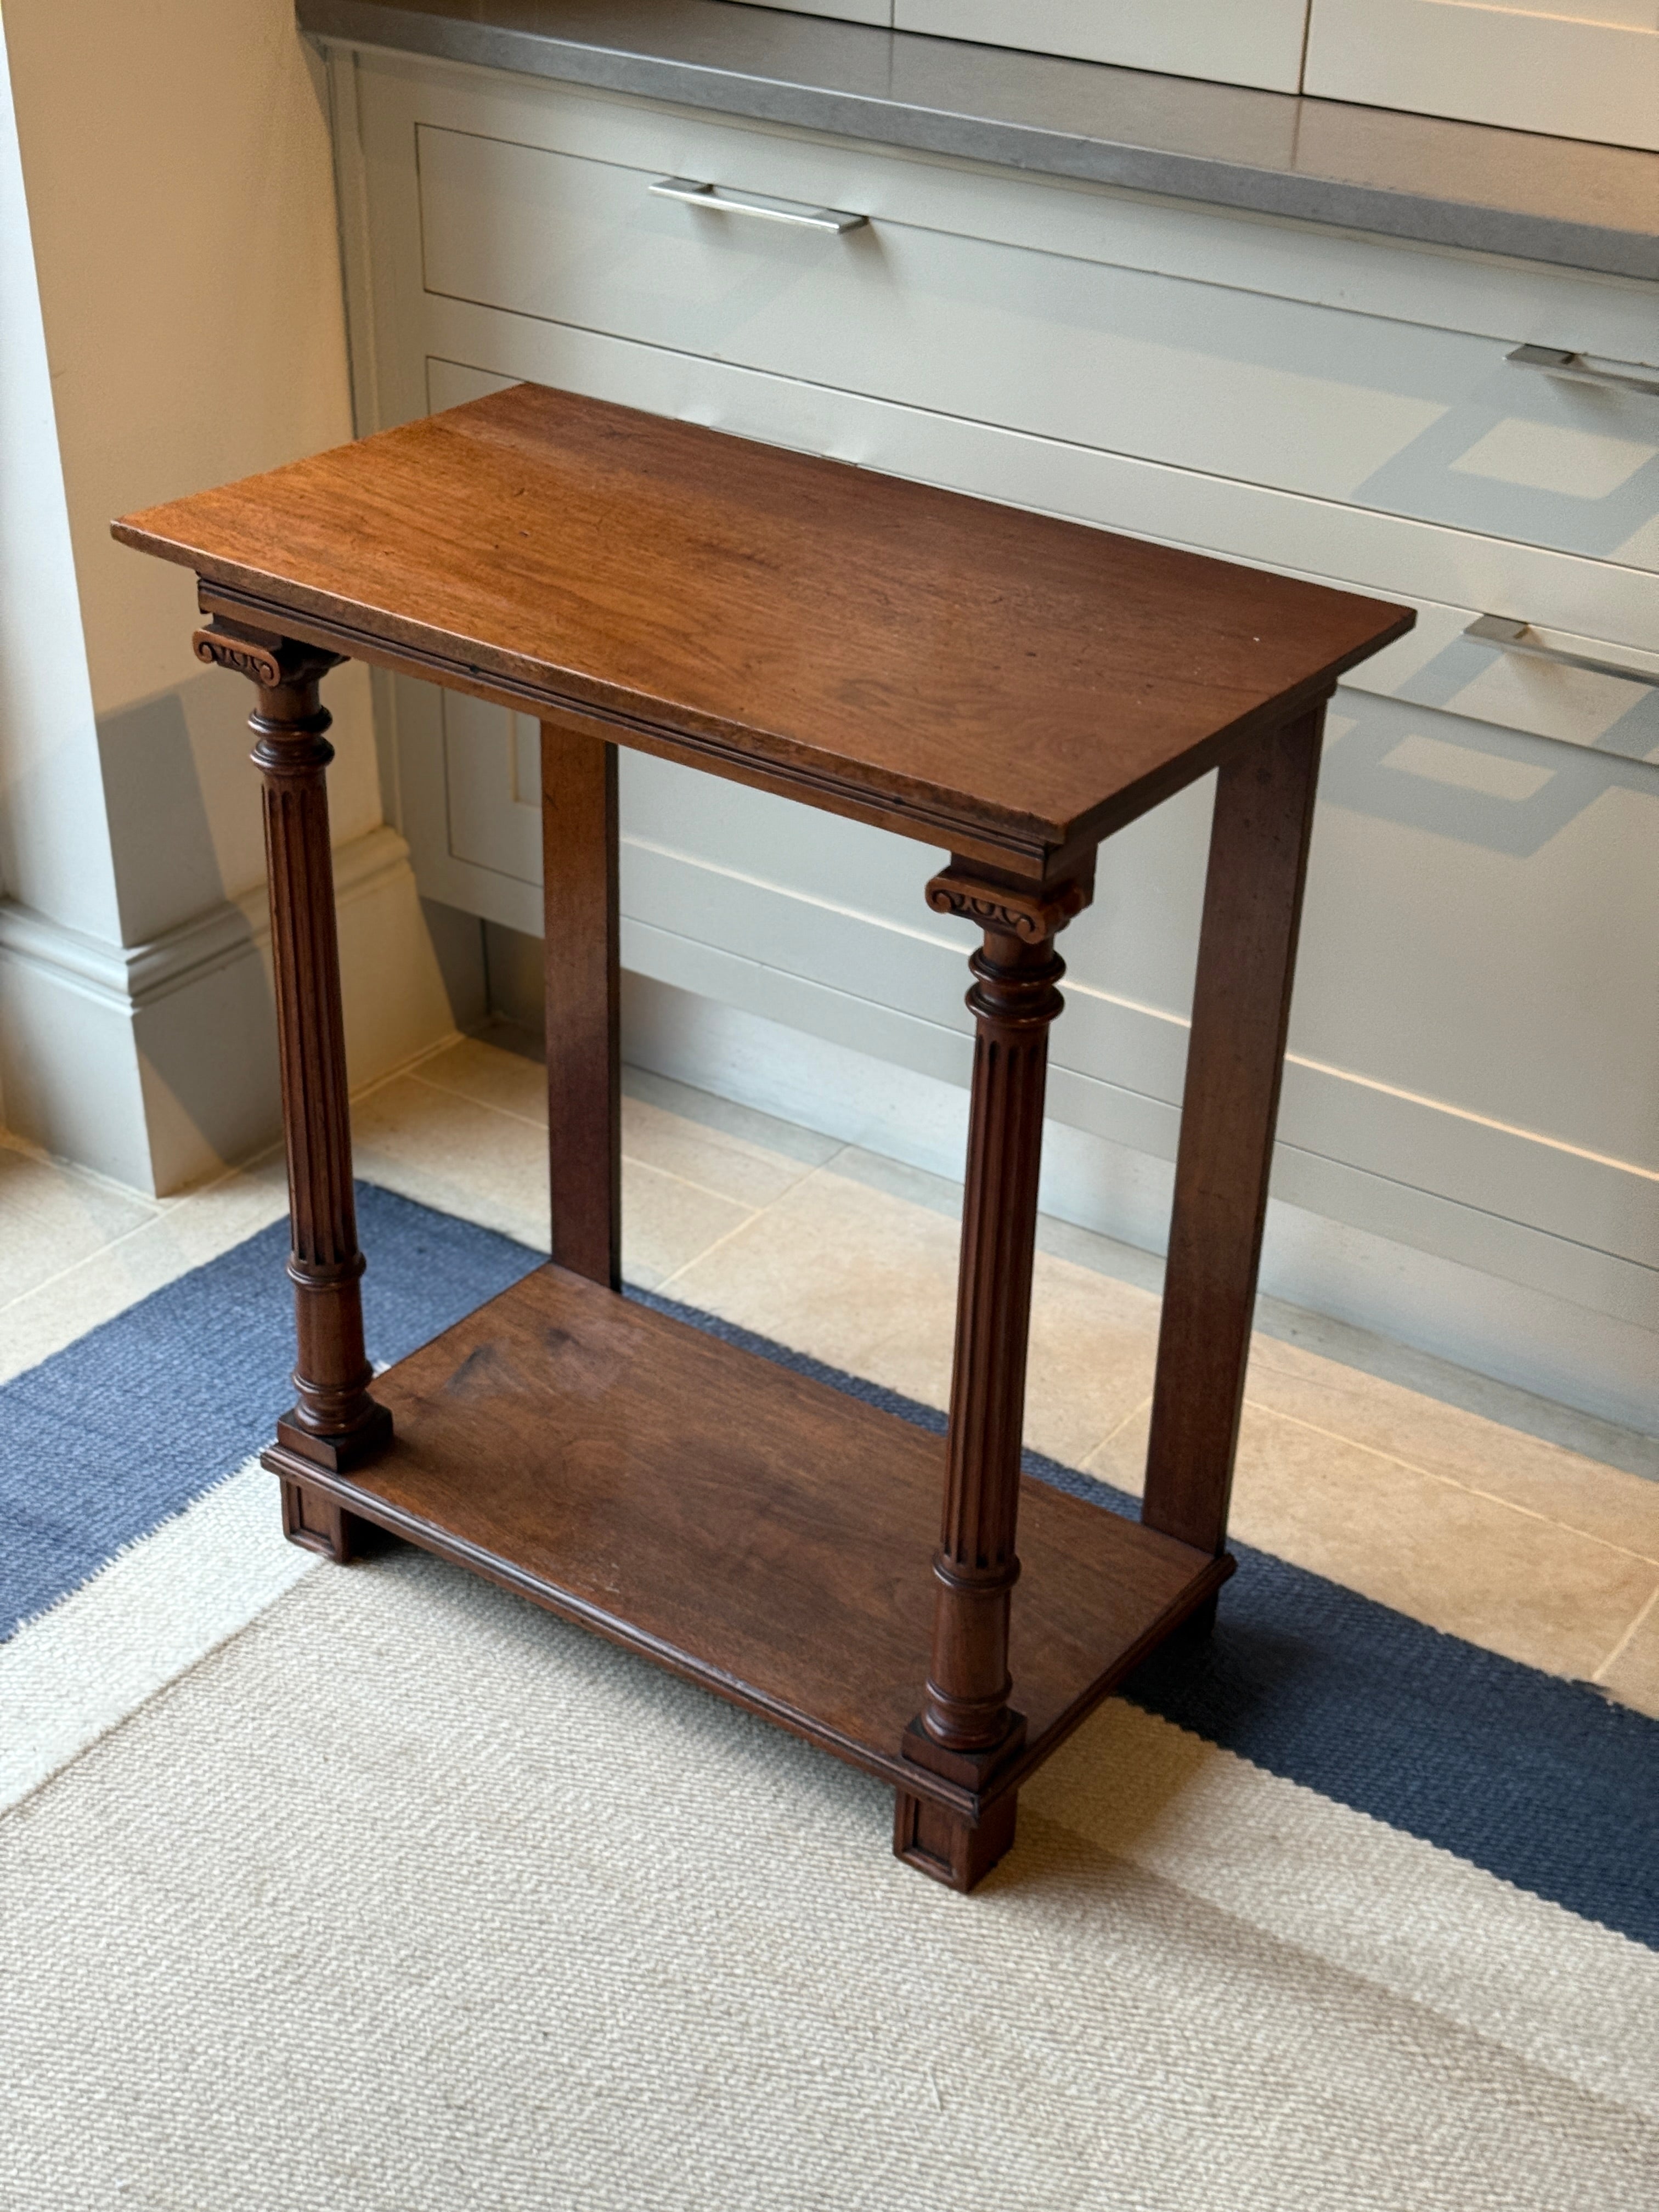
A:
980	677
1253	893
761	1533
582	978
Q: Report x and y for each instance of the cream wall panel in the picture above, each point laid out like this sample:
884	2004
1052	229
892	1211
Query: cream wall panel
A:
1586	69
54	841
156	1063
1237	42
177	166
175	159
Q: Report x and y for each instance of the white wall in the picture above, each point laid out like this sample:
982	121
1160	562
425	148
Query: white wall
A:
54	845
177	165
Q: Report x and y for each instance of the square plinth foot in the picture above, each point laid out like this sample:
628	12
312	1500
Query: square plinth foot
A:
316	1523
950	1847
338	1453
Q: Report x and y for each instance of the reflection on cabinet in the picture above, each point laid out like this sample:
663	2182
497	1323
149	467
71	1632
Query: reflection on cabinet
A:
1573	69
848	11
1474	1056
1236	41
1578	68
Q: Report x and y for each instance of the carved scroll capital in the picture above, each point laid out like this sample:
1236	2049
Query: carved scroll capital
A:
1032	916
269	662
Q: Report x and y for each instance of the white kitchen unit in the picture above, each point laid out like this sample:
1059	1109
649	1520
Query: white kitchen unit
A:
1234	41
1237	42
1469	1154
1585	69
1578	68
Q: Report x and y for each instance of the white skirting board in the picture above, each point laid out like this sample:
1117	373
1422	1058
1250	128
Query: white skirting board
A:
156	1064
1514	1332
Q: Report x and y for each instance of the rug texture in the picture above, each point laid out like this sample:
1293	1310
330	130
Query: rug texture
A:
407	1895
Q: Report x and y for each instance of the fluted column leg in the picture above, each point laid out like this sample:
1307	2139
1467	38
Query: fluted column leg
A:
966	1729
334	1421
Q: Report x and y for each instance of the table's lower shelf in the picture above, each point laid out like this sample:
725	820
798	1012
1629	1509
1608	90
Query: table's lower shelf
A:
759	1533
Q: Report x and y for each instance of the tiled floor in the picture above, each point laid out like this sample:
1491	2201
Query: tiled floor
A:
1465	1504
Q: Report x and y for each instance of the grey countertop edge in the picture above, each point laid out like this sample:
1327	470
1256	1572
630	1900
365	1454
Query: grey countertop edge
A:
770	79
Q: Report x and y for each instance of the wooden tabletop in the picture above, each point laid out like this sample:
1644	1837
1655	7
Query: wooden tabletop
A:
981	677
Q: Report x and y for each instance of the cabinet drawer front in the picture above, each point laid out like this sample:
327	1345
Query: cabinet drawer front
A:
1381	415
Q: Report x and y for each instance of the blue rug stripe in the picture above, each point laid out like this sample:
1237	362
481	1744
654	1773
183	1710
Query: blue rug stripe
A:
121	1429
1543	1782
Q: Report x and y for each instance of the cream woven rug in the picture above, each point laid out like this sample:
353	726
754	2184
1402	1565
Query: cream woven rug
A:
408	1897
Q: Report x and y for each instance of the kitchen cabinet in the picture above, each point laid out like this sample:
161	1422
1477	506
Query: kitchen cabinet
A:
1475	1061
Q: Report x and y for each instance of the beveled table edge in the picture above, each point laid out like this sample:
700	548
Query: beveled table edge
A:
1028	846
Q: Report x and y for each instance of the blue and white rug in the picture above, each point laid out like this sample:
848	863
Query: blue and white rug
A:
1445	1864
1544	1783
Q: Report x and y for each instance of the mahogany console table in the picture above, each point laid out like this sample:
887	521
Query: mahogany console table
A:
1005	686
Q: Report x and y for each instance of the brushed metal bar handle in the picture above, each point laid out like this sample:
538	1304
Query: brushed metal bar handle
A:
1517	637
1573	369
756	203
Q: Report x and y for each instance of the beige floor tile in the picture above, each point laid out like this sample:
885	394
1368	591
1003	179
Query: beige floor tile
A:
445	1150
762	1132
727	1165
440	1147
867	1281
55	1217
1471	1566
667	1223
1632	1674
185	1233
1483	1455
721	1161
474	1069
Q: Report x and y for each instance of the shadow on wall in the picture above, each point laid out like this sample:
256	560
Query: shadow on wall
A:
192	986
1500	789
202	1011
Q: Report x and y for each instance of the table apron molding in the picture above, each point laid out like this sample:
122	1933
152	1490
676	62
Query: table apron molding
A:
1038	860
519	695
